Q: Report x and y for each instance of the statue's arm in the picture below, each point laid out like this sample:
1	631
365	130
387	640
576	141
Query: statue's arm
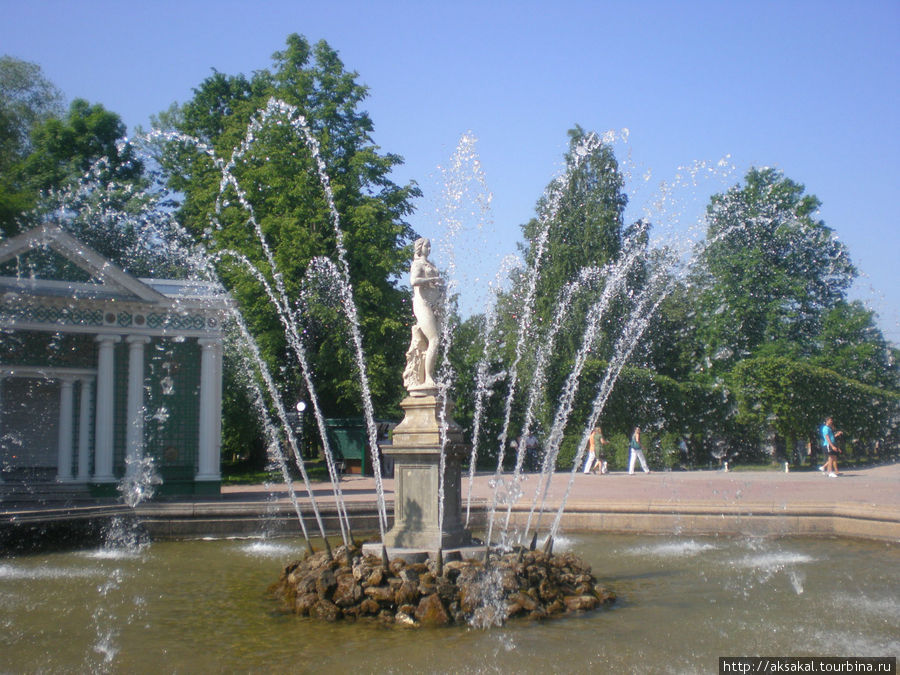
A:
418	275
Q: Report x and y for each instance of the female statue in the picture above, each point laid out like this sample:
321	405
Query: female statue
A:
428	305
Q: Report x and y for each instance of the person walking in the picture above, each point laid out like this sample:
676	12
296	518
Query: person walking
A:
829	437
636	450
591	459
532	450
596	460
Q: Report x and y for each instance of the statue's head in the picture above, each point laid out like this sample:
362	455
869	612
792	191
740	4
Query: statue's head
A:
422	246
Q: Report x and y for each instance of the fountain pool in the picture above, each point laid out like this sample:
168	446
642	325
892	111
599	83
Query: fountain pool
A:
201	606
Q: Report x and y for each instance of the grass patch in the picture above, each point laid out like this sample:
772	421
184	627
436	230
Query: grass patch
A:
238	474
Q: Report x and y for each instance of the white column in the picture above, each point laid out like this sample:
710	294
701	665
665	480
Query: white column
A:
210	434
134	431
66	427
106	384
84	431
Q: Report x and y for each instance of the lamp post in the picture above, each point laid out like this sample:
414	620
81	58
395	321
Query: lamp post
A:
301	408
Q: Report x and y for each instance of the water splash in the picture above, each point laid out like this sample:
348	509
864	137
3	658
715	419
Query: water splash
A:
553	199
464	184
140	480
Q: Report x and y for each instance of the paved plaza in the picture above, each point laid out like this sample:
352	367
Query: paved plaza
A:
860	503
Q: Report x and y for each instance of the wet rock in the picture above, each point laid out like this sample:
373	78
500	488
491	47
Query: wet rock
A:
325	610
538	614
304	603
407	593
605	596
376	576
508	580
431	612
530	585
580	603
404	619
470	597
383	595
409	575
305	583
361	569
525	601
547	591
326	583
447	591
348	592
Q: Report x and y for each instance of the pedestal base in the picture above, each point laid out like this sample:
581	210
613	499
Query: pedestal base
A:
417	555
418	498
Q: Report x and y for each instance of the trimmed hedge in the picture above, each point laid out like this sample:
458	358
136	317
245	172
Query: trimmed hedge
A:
795	397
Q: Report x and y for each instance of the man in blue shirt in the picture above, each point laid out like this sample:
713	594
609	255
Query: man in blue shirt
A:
831	450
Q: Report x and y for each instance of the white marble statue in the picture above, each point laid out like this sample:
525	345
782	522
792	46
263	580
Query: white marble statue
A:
428	305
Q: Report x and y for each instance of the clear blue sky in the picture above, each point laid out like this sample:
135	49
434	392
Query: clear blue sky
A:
810	87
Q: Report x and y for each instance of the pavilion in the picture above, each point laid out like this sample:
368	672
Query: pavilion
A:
100	370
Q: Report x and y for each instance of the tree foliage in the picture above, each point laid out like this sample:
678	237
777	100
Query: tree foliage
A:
277	173
759	339
65	149
852	345
26	99
584	219
795	397
772	270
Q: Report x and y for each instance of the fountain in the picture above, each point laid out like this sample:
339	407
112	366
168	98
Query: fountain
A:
394	579
684	601
732	589
427	445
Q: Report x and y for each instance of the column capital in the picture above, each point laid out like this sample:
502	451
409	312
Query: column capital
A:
209	343
137	339
108	338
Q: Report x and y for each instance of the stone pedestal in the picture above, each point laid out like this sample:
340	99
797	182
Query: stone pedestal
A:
416	451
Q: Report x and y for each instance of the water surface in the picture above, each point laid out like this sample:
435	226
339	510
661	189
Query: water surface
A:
201	606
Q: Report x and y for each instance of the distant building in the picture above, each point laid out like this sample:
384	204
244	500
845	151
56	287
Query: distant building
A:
99	369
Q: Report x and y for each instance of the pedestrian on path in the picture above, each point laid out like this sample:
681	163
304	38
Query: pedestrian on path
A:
532	451
636	450
829	436
596	460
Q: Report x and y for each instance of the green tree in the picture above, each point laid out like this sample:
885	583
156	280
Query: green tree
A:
74	168
64	150
771	271
81	172
580	214
578	229
26	98
794	398
584	220
278	176
853	345
672	346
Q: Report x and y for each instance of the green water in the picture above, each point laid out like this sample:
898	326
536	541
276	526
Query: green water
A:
201	607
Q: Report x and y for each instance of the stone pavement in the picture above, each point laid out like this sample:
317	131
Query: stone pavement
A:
860	503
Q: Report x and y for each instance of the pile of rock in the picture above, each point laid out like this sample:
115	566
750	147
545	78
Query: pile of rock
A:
529	584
